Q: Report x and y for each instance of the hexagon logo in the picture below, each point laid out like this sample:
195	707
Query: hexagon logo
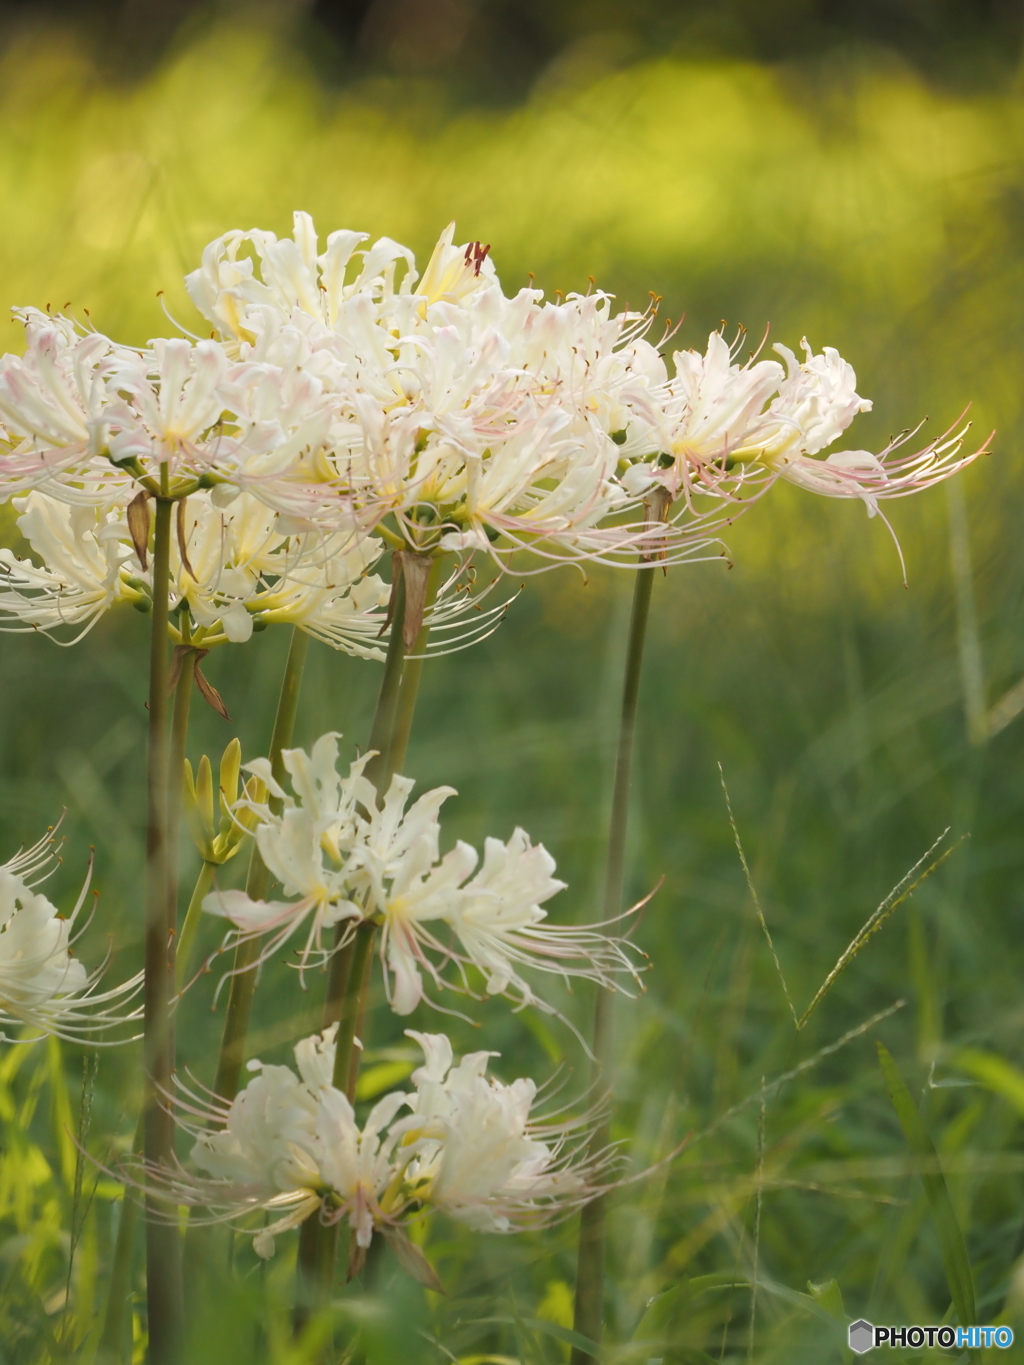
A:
861	1336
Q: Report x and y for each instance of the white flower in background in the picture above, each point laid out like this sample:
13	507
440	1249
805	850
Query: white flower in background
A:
348	857
469	1146
42	984
77	404
349	394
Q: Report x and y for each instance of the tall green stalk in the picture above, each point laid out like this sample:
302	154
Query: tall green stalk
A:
175	784
411	672
589	1311
257	885
352	1008
163	1246
382	731
190	924
115	1339
349	976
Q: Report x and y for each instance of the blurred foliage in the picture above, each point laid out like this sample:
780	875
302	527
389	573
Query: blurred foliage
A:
847	198
495	51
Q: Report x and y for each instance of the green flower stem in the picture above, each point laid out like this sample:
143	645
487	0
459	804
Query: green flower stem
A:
176	774
115	1339
318	1243
349	979
309	1294
257	885
379	770
190	925
175	785
163	1249
410	684
382	732
589	1312
353	1006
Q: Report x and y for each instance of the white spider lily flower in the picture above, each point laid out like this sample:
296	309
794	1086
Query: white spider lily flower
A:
268	1134
397	870
725	427
358	1164
814	406
348	857
502	926
246	566
477	421
306	847
816	403
160	403
468	1145
51	399
454	272
497	916
705	415
236	568
483	1157
42	984
292	1143
88	565
86	419
82	406
293	278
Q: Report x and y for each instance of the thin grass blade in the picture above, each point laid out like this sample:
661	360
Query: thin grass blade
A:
951	1239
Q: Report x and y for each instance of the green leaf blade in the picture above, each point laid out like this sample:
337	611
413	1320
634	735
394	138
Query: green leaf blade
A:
951	1240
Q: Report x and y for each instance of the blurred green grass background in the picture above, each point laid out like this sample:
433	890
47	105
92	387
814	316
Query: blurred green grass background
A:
843	196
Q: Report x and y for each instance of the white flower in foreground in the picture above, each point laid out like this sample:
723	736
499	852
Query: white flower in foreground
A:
42	985
483	1159
473	420
310	848
469	1146
90	421
237	568
87	565
349	858
306	848
237	565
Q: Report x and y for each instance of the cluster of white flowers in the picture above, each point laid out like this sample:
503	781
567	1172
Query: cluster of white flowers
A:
43	986
345	405
348	859
467	1144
